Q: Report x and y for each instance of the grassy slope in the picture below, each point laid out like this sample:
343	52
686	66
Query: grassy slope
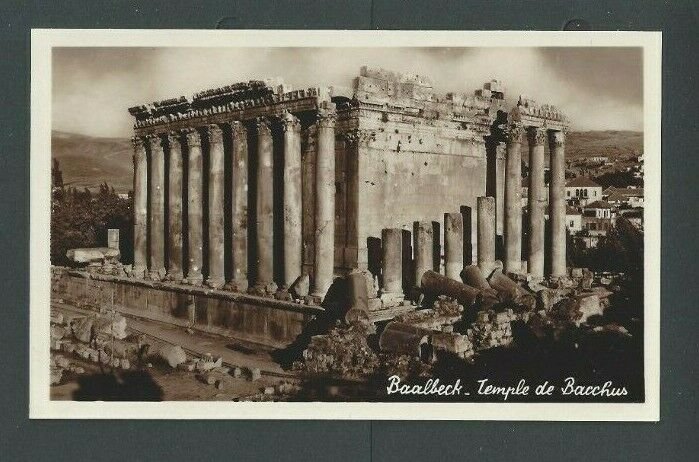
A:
88	161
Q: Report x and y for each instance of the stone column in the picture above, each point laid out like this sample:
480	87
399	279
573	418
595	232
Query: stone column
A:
264	275
216	277
324	265
453	245
175	194
113	239
423	238
195	166
293	212
157	208
239	204
536	201
392	264
140	208
513	199
486	231
557	203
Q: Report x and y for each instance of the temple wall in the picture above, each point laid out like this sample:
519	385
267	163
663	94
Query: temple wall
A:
409	173
272	324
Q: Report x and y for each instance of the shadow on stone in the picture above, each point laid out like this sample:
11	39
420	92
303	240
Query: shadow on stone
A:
335	304
129	386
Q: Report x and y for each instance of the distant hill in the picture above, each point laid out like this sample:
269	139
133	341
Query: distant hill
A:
88	161
607	143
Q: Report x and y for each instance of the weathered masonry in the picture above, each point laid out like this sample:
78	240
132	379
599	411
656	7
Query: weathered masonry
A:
250	186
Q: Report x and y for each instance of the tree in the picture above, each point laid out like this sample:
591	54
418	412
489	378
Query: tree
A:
81	219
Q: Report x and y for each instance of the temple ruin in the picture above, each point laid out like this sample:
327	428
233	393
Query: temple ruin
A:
249	186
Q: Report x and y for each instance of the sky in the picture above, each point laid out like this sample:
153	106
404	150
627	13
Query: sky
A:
597	88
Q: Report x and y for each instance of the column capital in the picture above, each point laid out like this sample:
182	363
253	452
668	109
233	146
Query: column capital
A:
215	133
173	137
290	122
326	116
537	135
514	132
137	142
263	126
557	138
193	137
156	141
238	129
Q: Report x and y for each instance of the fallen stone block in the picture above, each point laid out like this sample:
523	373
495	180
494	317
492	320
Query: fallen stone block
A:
507	289
301	286
406	339
174	355
92	254
473	276
435	284
255	374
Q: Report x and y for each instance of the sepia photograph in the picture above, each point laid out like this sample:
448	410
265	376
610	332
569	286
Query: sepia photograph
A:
423	224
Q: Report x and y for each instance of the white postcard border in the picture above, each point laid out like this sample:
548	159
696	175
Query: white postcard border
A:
41	407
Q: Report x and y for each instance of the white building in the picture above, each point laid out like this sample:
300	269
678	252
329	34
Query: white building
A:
582	190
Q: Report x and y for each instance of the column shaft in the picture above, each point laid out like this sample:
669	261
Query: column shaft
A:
265	206
453	245
140	206
195	166
293	212
157	209
557	203
239	212
324	264
423	238
392	261
175	194
486	231
536	201
216	277
513	199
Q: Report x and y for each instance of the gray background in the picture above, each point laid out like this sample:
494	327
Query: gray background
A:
671	439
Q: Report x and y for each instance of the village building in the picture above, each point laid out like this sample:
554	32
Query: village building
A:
582	190
630	197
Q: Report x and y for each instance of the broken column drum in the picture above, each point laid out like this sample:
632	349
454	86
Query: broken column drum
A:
265	205
392	261
423	248
513	199
157	208
216	277
486	231
174	224
536	201
195	233
453	244
293	210
557	203
324	263
140	201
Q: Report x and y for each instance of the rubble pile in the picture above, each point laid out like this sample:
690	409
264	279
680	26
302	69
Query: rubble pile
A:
342	351
492	329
